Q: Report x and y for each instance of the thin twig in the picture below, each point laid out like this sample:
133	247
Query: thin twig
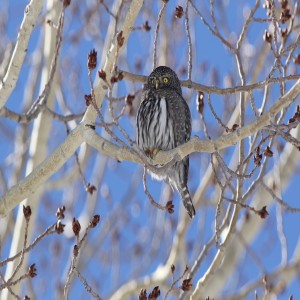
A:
107	9
76	253
212	31
22	252
219	121
153	202
216	90
187	28
28	117
175	282
86	285
48	231
280	201
243	205
156	33
5	285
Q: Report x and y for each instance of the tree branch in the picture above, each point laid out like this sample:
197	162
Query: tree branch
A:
100	89
83	133
8	84
42	172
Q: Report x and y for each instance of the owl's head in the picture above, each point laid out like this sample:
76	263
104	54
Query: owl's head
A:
163	78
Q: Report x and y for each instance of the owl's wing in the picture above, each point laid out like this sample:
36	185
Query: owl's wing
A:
180	112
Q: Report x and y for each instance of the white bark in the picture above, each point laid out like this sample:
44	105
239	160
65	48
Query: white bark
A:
38	151
32	11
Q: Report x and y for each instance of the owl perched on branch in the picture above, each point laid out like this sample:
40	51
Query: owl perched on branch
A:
163	123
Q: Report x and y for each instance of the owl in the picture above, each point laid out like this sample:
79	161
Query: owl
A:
163	123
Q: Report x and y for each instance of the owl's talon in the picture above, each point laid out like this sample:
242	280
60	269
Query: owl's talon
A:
151	152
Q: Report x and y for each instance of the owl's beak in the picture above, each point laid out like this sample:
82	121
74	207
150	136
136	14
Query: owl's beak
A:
157	84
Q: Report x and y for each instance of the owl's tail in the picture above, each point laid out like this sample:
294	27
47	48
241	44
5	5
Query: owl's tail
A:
187	201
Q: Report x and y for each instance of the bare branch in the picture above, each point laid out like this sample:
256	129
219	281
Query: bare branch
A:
32	11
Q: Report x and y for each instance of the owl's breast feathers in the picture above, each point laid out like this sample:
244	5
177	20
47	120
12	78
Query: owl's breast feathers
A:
165	120
178	112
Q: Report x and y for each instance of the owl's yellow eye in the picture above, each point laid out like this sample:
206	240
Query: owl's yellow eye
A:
165	79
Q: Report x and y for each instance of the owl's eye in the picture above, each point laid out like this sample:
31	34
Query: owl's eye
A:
165	79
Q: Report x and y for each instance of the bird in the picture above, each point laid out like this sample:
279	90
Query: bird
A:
163	122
